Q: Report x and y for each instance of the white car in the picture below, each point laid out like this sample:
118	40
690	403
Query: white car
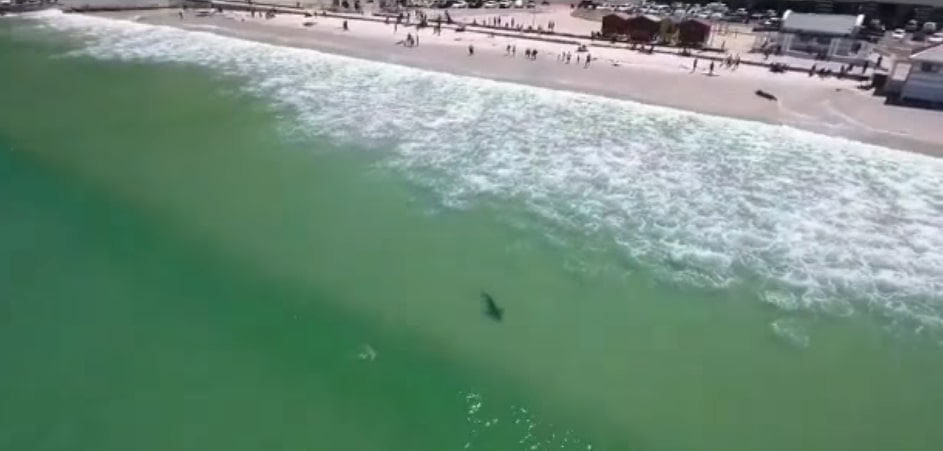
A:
505	4
459	5
490	4
899	34
937	38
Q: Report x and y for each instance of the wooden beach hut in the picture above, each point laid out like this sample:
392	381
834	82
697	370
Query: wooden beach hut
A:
693	33
614	25
668	30
643	28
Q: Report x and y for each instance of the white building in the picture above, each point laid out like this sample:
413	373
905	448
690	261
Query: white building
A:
831	37
924	82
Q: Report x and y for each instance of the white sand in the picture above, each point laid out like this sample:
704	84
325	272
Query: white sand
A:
831	106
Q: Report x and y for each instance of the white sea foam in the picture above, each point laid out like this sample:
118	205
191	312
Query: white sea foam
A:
820	222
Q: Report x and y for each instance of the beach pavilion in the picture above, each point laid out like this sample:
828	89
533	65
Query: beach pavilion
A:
643	28
615	24
832	37
924	82
693	33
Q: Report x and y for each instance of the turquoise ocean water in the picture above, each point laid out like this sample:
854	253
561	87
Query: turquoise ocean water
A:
213	244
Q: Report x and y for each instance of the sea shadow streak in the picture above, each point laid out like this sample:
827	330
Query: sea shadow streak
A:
491	308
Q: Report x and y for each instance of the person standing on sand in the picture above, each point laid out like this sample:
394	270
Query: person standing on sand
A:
345	26
589	59
471	50
533	54
694	66
514	50
711	69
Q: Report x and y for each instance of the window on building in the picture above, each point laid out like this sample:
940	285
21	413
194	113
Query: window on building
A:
930	67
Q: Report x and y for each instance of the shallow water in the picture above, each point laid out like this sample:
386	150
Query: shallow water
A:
215	232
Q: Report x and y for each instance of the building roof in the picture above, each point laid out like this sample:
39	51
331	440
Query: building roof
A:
696	21
931	55
619	15
832	24
616	15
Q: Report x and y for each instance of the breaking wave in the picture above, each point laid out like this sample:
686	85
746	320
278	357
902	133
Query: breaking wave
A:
818	222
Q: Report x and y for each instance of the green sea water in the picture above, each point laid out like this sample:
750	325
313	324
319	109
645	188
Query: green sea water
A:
178	273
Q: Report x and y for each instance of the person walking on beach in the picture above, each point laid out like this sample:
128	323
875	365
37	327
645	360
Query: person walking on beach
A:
711	68
533	54
471	50
507	50
589	59
514	50
345	26
694	66
527	53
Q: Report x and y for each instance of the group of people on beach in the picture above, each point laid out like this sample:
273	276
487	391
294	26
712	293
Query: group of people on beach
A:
731	62
511	50
567	57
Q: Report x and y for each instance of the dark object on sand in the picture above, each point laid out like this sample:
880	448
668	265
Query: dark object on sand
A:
765	95
491	308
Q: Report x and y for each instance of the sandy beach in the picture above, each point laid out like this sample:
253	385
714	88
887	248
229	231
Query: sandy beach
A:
828	106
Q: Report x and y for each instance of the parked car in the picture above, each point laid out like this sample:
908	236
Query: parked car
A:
531	4
937	38
504	4
929	27
899	34
911	26
460	4
491	4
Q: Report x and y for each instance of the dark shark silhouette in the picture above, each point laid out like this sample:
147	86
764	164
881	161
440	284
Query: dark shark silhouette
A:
491	308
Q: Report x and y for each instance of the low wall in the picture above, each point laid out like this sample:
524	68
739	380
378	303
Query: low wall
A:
86	5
